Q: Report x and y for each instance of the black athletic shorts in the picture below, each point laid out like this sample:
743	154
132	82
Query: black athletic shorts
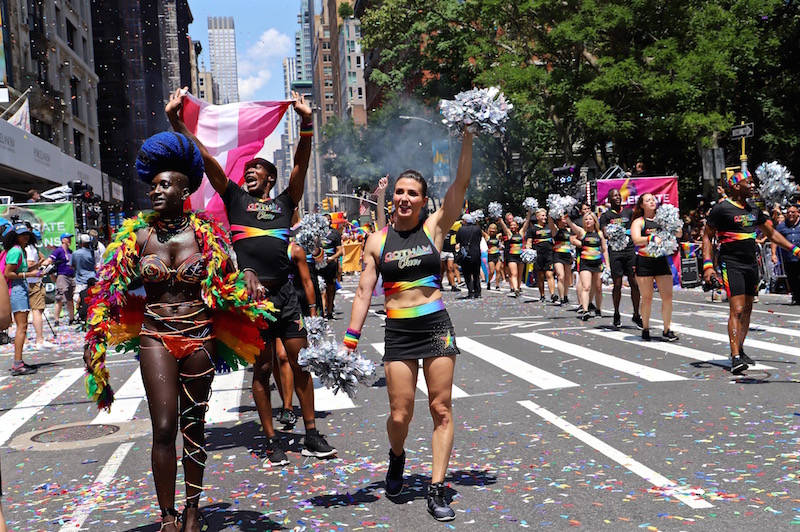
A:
562	258
513	258
544	260
739	278
329	272
590	265
427	336
290	322
494	257
652	266
622	263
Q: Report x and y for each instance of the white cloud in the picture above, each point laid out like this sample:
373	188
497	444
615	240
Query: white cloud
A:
271	43
250	85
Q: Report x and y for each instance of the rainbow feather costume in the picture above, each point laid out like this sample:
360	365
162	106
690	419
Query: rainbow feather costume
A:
115	317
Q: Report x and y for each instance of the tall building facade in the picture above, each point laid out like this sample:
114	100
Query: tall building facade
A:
374	93
48	51
323	66
352	90
222	58
206	87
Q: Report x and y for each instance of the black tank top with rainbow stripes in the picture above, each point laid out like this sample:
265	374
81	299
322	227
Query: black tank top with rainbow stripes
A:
408	259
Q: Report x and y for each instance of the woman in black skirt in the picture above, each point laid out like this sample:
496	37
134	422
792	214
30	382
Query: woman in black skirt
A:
406	254
592	255
651	268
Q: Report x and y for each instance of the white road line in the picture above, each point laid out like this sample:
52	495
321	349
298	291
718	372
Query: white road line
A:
226	396
673	348
632	368
325	399
90	502
126	401
422	384
717	337
36	402
622	459
771	329
527	372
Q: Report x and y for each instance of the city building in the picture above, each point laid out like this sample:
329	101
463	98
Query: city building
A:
352	91
206	86
373	93
47	56
222	58
323	66
194	67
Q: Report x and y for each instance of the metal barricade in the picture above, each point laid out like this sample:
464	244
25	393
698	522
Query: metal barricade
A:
775	275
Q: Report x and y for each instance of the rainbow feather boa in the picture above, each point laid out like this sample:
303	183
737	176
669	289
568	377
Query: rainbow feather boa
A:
115	317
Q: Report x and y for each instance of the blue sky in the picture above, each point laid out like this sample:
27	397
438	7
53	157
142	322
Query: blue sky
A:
264	37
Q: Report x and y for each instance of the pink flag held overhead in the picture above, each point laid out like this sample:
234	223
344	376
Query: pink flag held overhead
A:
233	134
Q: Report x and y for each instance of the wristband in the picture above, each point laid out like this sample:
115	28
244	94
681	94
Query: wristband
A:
250	270
351	338
307	129
796	251
708	265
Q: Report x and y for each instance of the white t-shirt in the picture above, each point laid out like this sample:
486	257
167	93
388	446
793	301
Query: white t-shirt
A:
98	255
32	255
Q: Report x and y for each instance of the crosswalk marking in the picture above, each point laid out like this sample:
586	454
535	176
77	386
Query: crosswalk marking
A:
36	402
675	349
84	510
771	329
622	459
619	364
422	384
226	394
325	399
527	372
126	401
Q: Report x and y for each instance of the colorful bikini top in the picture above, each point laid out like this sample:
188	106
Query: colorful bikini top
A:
590	246
408	259
494	246
515	244
155	270
561	243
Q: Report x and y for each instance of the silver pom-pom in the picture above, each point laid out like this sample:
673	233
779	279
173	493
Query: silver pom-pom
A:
776	184
477	215
479	110
530	204
617	237
667	247
313	227
519	219
560	205
337	368
318	330
495	209
606	278
668	217
528	255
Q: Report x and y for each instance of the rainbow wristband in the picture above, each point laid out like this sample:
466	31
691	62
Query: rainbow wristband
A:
796	251
306	130
707	264
351	338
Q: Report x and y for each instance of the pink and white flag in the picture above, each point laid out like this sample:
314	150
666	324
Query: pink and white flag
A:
234	134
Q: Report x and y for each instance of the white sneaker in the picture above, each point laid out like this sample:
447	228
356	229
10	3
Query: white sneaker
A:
45	345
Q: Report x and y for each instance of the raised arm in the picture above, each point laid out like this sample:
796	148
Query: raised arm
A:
366	283
578	231
214	172
445	216
380	217
504	227
297	179
526	225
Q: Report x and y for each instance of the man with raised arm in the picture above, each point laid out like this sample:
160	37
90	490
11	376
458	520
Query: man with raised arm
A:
260	233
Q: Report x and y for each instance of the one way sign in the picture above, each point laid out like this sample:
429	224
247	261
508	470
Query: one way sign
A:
742	132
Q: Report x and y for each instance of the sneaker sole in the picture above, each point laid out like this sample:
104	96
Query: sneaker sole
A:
390	494
442	519
738	369
665	339
317	454
270	463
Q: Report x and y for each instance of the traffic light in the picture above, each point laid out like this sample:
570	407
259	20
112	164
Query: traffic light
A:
326	204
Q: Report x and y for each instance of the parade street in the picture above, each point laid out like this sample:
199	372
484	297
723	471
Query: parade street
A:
558	424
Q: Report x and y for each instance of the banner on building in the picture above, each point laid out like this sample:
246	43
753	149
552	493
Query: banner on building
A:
665	189
50	219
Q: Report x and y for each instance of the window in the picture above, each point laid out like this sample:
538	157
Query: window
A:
360	92
202	94
327	71
77	138
329	96
202	81
352	78
329	107
358	61
329	83
73	94
349	63
70	35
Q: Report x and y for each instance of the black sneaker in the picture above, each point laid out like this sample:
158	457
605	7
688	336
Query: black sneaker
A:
638	321
437	506
617	321
329	316
23	369
455	289
645	335
566	300
738	366
554	298
287	417
669	336
747	360
586	315
394	474
275	454
592	307
315	445
597	313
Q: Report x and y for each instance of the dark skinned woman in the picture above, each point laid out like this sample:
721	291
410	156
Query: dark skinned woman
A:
184	328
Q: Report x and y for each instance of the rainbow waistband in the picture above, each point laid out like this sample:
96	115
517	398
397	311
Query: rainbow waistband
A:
415	312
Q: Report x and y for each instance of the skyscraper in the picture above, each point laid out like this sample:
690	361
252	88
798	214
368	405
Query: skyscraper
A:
222	57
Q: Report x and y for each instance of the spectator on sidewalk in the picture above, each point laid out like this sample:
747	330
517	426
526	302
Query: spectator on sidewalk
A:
83	263
790	229
65	278
36	291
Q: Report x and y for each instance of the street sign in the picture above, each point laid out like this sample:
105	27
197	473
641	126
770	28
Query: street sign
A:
742	132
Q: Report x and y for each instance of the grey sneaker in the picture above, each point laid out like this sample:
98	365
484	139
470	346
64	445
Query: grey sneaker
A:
437	505
287	417
738	365
23	369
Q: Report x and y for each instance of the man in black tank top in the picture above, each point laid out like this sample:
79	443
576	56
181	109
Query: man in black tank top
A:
260	234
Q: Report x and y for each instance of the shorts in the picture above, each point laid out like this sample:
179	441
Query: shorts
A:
514	258
590	265
544	260
329	273
560	257
65	288
494	257
19	296
652	266
739	278
36	293
622	264
444	256
426	336
290	322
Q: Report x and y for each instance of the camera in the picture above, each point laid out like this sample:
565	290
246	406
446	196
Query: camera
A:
713	284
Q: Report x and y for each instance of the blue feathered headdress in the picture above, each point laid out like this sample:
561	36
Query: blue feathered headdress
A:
170	151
